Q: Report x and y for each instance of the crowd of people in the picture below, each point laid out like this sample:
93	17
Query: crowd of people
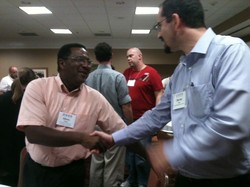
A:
111	117
11	140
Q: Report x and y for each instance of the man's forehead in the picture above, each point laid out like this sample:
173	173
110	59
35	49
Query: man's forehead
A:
13	69
84	50
79	50
159	15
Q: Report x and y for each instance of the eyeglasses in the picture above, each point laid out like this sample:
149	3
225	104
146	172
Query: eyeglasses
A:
80	60
157	26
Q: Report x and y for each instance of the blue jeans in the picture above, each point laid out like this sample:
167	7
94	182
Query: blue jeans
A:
138	167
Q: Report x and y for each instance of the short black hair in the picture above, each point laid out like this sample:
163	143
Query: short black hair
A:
190	11
103	52
65	50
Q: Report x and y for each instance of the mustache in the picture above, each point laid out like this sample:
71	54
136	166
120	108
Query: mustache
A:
161	39
167	49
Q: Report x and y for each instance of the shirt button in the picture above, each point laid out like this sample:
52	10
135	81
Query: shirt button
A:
189	68
182	126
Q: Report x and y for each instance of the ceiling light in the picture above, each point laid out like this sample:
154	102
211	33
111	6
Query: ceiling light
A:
36	10
61	31
140	31
146	10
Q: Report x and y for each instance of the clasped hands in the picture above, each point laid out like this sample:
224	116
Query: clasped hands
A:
154	153
98	142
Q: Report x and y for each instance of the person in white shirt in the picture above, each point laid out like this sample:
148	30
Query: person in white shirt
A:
6	82
165	82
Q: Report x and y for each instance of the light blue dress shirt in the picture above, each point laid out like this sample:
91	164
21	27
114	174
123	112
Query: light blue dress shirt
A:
212	131
112	85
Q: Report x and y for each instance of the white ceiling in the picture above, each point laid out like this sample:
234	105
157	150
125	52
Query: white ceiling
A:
86	18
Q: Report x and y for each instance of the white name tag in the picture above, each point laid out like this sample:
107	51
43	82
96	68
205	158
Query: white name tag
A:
179	100
131	83
66	120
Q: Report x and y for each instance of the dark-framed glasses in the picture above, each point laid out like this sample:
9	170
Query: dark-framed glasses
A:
80	60
157	26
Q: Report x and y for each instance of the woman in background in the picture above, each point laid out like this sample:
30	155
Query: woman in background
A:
12	140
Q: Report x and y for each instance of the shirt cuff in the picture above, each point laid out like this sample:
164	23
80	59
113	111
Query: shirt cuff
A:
120	137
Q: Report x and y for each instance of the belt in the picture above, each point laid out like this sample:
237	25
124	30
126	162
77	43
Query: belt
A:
74	162
214	182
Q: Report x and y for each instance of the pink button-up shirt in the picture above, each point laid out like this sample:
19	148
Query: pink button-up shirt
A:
45	98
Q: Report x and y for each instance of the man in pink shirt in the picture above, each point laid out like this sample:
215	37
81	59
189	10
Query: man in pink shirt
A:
57	115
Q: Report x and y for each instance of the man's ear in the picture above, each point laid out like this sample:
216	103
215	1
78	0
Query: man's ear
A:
176	20
61	63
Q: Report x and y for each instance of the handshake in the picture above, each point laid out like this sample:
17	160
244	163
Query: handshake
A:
99	142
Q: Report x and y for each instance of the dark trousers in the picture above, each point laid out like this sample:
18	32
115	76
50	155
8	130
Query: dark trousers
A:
36	175
239	181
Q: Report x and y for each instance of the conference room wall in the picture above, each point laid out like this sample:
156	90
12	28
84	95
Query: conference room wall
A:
47	58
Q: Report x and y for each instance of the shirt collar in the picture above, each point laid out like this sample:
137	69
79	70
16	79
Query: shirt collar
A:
10	77
104	66
200	48
64	88
203	43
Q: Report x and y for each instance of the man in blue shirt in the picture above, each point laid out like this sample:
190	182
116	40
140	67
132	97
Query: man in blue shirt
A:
207	99
107	169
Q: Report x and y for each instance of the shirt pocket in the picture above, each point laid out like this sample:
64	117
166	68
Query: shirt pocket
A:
200	100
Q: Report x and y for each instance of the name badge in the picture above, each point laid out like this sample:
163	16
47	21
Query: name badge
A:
179	100
66	120
131	83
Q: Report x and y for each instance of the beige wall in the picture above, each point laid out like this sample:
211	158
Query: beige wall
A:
36	58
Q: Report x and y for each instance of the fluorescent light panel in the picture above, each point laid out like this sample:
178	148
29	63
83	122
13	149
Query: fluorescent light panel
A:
36	10
140	31
61	31
146	10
